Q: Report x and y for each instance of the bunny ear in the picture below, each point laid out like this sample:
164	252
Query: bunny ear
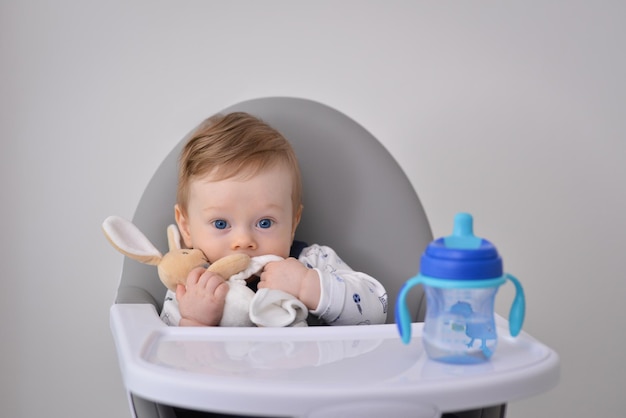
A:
130	241
174	241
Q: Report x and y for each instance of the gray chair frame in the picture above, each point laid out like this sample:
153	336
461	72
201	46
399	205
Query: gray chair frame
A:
357	200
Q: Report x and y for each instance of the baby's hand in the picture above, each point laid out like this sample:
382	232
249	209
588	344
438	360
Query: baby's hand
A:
293	277
201	301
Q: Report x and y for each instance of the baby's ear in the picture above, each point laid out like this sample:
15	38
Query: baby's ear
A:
183	227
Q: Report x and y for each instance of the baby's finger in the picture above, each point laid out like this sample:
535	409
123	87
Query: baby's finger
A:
221	290
204	278
210	280
214	281
262	282
266	276
194	275
269	266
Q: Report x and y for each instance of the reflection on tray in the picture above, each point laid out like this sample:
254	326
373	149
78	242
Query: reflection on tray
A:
308	359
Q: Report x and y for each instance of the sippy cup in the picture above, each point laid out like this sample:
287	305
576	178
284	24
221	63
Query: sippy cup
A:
461	274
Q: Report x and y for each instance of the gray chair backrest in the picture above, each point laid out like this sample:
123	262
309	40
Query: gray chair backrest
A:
357	200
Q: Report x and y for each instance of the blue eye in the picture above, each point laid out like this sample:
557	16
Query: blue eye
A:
220	224
265	223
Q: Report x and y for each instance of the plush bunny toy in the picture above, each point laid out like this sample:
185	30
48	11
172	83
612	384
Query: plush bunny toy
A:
242	307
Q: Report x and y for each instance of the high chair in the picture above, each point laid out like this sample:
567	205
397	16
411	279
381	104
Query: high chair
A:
358	201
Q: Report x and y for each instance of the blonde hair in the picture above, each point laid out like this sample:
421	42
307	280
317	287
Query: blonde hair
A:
232	145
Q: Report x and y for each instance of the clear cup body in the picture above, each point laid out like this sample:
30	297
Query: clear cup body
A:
459	327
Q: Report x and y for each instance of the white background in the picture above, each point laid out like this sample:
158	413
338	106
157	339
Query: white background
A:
514	111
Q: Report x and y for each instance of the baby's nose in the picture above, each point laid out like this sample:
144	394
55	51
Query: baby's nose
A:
243	240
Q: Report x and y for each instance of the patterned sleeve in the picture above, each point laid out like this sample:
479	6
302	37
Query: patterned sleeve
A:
170	313
348	297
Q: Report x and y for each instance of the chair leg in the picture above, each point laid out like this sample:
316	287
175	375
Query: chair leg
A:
147	409
144	408
498	411
474	413
187	413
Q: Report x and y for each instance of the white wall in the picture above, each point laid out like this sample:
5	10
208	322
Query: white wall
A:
514	112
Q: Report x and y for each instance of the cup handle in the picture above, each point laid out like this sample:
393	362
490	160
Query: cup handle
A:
403	316
518	308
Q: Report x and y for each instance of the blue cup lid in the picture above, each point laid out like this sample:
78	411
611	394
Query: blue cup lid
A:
461	256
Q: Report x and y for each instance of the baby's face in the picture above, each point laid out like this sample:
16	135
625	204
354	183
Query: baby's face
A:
254	216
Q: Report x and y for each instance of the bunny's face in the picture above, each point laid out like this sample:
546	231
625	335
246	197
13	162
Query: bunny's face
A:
176	265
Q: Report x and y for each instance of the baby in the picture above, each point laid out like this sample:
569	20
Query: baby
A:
240	191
